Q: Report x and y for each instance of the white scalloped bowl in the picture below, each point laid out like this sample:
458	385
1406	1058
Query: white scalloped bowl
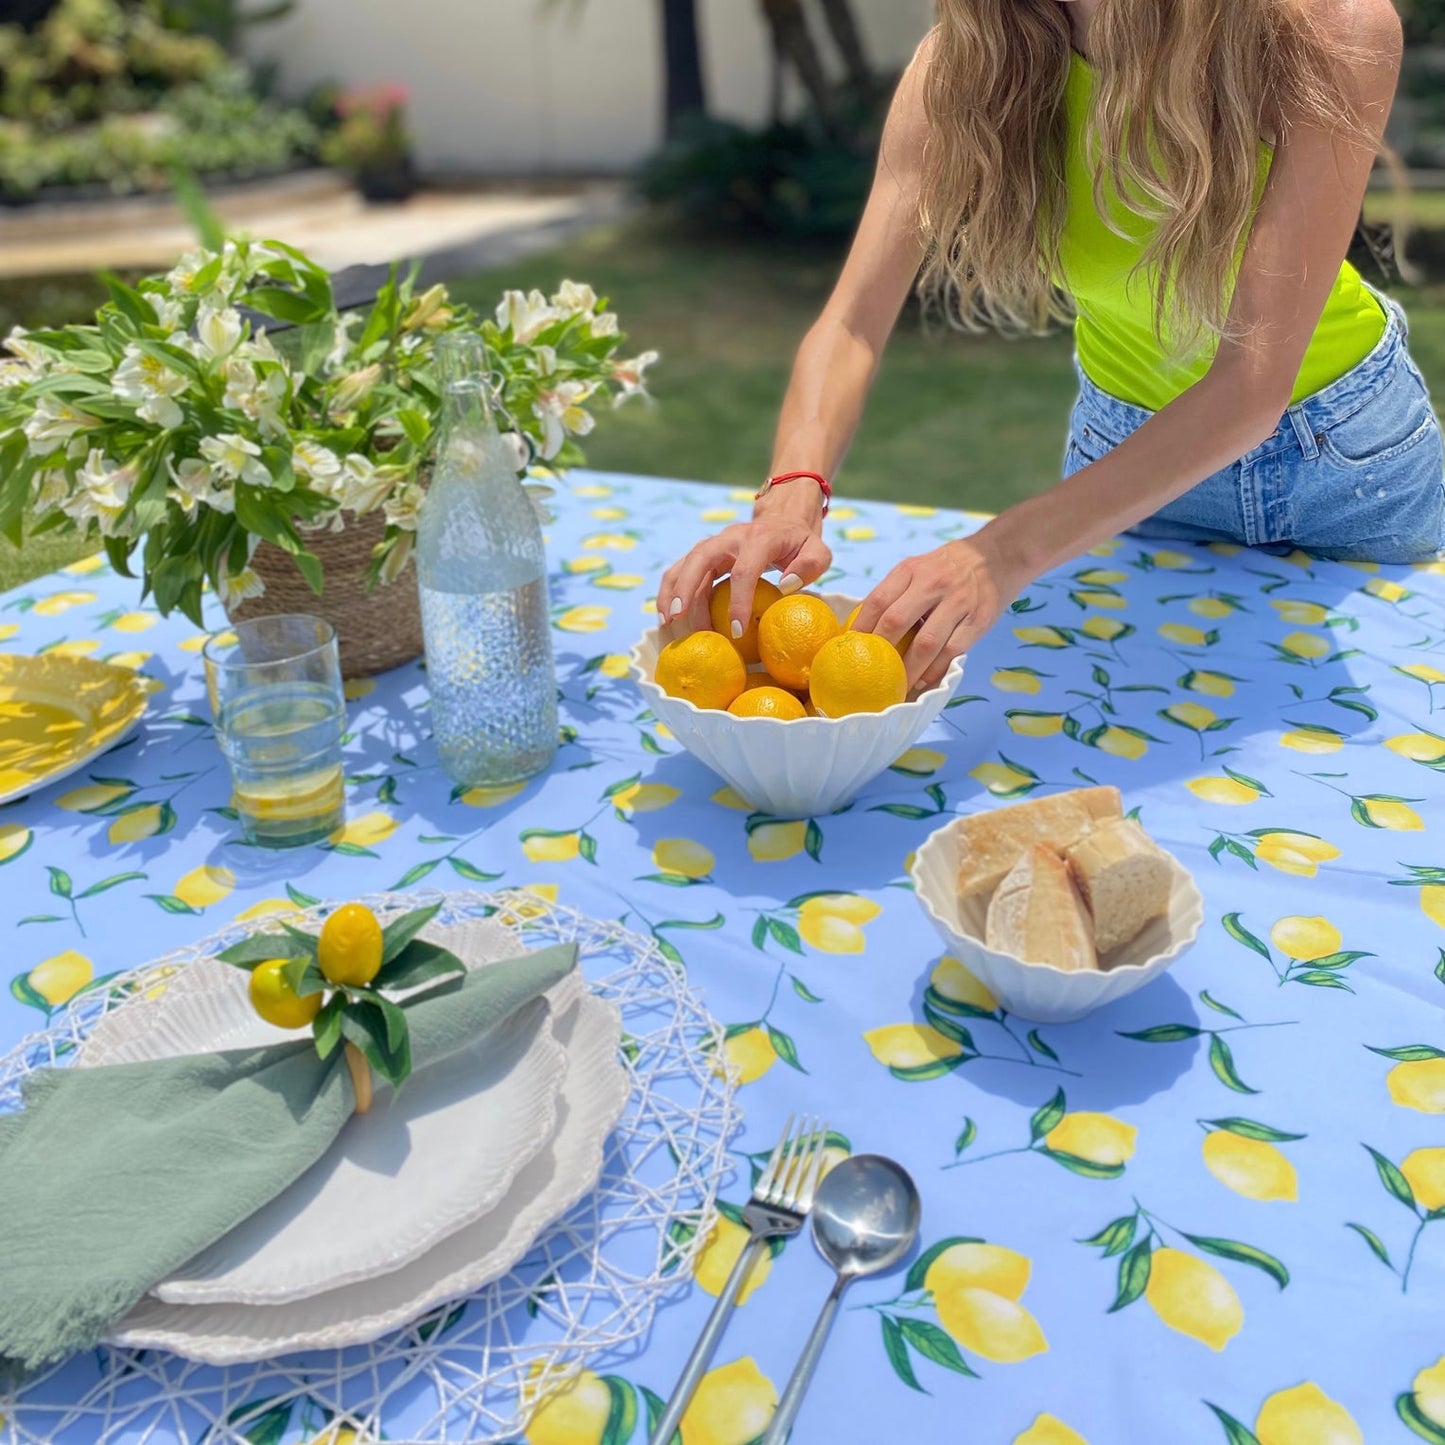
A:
796	769
1038	991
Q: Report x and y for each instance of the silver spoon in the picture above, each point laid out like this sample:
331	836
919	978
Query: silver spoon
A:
865	1219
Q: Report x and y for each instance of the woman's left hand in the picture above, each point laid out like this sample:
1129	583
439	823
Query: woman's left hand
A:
957	592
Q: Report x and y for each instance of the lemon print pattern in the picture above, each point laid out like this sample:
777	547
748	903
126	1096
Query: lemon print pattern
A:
1049	1430
1191	1296
1290	710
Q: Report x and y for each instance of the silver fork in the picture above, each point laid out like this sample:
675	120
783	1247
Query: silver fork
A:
780	1203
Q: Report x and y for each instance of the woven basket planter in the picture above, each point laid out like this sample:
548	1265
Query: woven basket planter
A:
377	628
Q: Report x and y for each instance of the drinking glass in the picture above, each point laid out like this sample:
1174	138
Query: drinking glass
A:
275	690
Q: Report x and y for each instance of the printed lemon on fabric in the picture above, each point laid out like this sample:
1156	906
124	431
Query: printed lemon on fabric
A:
976	1289
55	980
1098	1138
204	886
1191	1296
715	1261
1254	1168
1049	1430
1305	1415
833	922
1418	1084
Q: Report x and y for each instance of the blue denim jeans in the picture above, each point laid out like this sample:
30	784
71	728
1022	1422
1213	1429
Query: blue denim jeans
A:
1354	473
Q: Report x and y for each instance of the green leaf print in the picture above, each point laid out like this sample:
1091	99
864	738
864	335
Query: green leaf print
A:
1377	1245
1221	1060
785	1048
1235	1433
1395	1182
1046	1117
1163	1034
934	1344
1250	1129
622	1415
1218	1007
966	1136
1241	1254
1408	1409
1240	934
1133	1275
1409	1053
897	1352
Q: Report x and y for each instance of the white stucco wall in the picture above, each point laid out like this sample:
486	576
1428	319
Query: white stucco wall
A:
518	86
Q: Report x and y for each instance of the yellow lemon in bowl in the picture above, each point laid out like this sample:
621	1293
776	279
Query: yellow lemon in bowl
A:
722	599
704	668
349	949
276	1001
767	700
790	635
857	672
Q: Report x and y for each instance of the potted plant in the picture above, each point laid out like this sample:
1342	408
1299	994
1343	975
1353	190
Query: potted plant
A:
285	472
371	142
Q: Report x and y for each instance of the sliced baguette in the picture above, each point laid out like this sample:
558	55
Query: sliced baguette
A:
1038	916
992	843
1124	879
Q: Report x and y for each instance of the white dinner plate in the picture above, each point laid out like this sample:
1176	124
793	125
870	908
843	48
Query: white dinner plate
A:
398	1179
593	1096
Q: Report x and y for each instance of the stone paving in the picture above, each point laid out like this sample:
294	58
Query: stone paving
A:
451	230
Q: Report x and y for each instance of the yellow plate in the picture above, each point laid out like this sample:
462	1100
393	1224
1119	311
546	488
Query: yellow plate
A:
57	713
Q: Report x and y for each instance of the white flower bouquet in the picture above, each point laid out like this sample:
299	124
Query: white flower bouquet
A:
176	424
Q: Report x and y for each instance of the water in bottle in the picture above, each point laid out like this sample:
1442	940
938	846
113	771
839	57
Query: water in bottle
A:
483	579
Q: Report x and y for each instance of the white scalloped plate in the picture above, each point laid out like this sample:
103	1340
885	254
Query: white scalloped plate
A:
415	1169
593	1097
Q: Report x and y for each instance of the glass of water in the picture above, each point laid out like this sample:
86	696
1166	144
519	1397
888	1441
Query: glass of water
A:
275	690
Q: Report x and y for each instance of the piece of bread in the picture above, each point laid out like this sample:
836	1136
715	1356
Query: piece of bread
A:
994	842
1124	879
1038	916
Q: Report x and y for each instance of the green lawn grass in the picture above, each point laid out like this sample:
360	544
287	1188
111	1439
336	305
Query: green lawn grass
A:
954	420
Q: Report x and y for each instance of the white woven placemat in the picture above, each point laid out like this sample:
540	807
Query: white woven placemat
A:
586	1291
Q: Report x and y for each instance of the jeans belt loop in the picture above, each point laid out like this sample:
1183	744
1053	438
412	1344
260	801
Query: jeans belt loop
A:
1309	441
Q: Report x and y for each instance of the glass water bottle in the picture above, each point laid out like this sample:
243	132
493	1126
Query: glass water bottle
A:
483	578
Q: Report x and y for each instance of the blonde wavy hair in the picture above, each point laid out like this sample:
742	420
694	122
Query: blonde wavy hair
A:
1206	77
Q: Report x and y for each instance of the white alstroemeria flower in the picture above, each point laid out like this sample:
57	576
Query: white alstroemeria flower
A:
573	296
316	464
15	371
605	324
169	310
560	411
398	557
182	276
261	348
102	490
519	449
54	421
403	506
632	376
52	487
527	316
148	381
364	485
341	340
234	458
16	344
219	330
546	359
195	484
353	389
238	586
427	311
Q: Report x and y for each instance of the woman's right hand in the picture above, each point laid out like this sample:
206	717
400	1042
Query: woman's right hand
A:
785	533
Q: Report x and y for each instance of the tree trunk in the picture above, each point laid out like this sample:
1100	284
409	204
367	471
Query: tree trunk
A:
843	26
794	40
684	92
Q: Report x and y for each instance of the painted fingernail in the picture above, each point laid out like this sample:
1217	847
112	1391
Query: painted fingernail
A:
737	629
676	609
790	583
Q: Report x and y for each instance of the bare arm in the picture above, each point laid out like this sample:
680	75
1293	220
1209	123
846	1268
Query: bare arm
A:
834	370
1301	232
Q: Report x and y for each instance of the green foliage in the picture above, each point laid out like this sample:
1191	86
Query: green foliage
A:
793	179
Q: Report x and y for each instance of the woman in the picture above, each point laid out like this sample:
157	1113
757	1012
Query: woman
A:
1238	380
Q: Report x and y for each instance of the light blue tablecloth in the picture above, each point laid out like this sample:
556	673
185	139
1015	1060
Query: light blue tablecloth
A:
1209	1210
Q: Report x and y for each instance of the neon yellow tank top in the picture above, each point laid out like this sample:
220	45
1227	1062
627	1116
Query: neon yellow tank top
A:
1114	331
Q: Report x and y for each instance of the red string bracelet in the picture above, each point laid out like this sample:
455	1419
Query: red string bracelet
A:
823	483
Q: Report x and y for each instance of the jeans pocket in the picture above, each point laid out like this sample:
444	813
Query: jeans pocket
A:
1394	421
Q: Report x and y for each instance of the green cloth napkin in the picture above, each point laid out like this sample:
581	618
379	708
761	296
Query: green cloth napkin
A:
112	1178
